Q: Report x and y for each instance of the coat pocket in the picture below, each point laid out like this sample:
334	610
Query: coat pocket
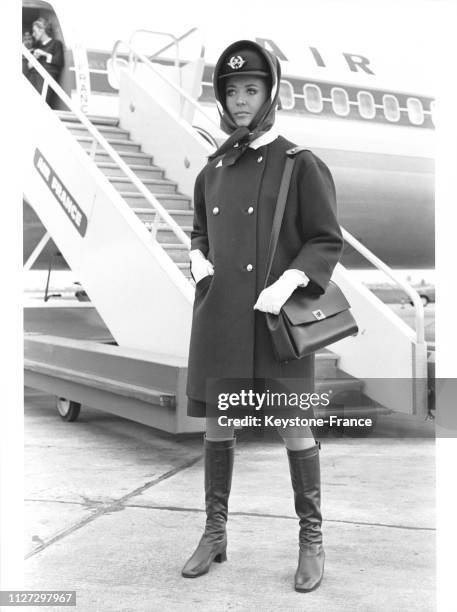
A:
203	282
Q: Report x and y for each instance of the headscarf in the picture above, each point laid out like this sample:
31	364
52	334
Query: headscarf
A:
241	137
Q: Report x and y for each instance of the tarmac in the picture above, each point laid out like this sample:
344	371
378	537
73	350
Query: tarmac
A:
114	509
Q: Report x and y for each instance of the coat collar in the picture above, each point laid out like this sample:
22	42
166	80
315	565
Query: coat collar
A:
264	139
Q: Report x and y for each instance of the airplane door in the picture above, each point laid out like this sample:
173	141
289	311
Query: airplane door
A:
32	10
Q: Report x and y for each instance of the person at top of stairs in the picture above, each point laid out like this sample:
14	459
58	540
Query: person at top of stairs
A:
234	204
49	53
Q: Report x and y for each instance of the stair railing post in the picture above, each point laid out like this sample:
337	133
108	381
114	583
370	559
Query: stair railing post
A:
93	149
155	225
44	89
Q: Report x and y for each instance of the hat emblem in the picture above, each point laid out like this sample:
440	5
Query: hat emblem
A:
236	62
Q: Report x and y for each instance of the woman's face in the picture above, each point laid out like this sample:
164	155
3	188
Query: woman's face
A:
37	32
244	96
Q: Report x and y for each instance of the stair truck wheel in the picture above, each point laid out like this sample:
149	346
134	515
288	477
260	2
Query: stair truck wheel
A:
68	409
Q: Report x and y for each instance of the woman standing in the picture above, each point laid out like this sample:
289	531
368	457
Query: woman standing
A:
234	202
49	52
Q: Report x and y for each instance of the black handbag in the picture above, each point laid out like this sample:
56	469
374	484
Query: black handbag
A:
307	321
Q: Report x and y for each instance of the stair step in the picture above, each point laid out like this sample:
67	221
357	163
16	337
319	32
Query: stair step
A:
118	145
346	391
325	366
129	157
108	131
165	235
180	216
178	252
96	119
185	269
175	201
154	185
142	171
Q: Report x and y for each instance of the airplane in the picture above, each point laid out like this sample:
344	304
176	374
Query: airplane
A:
373	128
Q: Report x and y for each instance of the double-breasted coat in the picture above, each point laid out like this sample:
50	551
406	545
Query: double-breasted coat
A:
233	214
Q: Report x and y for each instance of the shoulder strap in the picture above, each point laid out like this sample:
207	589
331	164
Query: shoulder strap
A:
280	205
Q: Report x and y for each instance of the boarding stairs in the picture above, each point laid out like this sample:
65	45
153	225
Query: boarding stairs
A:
152	176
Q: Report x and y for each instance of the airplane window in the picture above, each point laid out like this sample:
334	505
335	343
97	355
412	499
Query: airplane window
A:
391	107
286	95
367	108
340	101
313	98
415	111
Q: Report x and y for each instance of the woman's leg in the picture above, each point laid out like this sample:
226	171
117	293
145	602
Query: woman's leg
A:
214	431
297	438
219	445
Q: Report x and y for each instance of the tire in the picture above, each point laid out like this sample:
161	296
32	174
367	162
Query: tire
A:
68	409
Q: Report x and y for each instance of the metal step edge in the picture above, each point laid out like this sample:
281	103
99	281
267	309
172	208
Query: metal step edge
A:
101	128
165	228
131	166
173	196
111	141
138	154
326	355
146	181
103	119
170	211
349	384
173	245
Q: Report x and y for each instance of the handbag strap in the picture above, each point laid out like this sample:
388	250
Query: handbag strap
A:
280	205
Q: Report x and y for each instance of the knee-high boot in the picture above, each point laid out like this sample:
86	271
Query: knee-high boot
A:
218	479
305	475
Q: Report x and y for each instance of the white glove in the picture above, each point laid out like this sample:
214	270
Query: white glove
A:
272	298
200	266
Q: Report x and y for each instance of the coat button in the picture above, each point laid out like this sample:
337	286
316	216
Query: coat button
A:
216	210
259	159
236	145
250	210
249	267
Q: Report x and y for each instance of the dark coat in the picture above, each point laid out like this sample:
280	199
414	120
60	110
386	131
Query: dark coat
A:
229	339
54	67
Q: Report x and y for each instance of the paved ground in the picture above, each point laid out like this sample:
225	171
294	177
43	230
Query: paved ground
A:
114	509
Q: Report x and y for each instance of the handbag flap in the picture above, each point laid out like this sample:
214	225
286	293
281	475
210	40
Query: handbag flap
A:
306	307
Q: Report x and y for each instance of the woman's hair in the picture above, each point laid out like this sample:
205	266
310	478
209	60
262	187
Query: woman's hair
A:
41	22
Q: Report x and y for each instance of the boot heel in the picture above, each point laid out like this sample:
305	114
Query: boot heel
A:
221	557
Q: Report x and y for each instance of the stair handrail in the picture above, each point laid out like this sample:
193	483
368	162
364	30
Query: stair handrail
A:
151	66
410	291
175	41
100	139
166	34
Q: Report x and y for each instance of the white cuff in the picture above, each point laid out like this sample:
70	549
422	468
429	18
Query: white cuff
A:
196	254
297	276
49	57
